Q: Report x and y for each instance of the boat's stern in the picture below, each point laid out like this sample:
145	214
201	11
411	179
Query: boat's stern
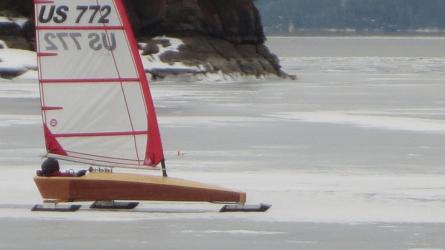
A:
54	188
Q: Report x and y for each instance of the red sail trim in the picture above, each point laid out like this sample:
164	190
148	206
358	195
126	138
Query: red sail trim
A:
43	1
95	80
100	134
41	54
47	108
79	28
154	153
52	145
101	156
103	161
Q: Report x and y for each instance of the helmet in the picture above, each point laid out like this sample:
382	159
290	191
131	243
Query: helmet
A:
50	166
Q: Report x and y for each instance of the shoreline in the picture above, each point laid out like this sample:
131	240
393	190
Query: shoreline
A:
406	34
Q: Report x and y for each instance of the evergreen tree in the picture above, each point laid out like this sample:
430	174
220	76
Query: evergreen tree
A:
384	15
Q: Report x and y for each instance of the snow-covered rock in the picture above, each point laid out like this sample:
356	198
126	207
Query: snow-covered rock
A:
204	58
8	27
15	62
157	68
20	21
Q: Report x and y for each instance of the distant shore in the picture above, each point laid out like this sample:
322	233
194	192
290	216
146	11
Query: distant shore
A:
415	33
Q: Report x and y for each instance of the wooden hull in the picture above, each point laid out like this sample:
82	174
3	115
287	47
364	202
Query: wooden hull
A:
117	186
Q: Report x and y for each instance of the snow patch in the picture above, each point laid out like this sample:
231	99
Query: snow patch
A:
425	248
30	75
234	232
19	89
213	121
364	64
14	120
3	45
153	62
17	61
367	121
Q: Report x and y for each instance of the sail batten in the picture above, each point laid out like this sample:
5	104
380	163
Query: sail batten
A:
92	81
110	164
133	132
79	28
96	103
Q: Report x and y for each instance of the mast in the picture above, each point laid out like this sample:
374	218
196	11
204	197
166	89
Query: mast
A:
95	99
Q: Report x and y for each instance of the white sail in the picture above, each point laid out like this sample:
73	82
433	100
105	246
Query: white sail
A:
96	103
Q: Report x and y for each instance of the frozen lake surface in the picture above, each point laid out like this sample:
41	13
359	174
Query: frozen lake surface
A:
351	156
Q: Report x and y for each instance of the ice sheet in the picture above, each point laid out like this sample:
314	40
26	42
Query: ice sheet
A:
354	140
360	119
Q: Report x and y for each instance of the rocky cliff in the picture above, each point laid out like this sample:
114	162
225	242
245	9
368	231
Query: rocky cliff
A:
236	21
217	36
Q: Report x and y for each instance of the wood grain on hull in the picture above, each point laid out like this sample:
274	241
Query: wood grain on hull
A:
117	186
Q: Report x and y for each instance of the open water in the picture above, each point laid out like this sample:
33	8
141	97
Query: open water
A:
351	156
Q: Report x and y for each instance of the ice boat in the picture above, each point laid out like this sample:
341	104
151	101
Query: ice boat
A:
97	109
